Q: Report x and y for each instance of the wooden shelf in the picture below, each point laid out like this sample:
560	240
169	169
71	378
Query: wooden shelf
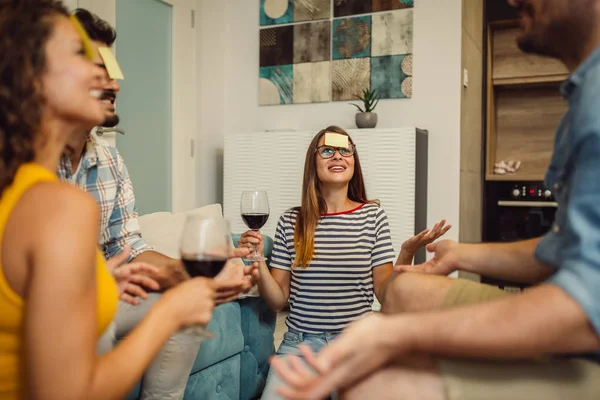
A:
529	80
524	105
509	64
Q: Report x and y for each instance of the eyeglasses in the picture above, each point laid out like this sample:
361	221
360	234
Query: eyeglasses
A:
329	151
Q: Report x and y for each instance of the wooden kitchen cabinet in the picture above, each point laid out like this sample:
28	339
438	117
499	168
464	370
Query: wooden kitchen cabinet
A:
524	105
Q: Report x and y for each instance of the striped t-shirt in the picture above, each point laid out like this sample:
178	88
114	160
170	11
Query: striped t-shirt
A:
337	287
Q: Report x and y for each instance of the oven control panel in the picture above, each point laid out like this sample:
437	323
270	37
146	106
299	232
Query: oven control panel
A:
530	191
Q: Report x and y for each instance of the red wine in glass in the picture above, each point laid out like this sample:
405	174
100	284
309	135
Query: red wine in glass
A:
205	247
255	221
254	209
203	265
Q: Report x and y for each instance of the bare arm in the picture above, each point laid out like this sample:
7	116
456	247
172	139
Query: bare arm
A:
543	320
60	318
405	258
273	285
382	275
508	261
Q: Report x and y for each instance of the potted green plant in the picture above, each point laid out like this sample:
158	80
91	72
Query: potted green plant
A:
366	118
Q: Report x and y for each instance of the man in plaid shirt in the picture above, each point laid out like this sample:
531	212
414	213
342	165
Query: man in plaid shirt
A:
100	170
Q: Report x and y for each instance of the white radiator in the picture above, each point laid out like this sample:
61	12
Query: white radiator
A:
394	163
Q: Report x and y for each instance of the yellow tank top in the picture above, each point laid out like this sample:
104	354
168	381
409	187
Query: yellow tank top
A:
11	304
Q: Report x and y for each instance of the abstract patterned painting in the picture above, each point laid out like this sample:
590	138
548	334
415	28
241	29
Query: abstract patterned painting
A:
312	42
273	12
312	82
337	58
392	33
387	57
310	10
387	5
276	85
350	77
343	8
352	37
276	46
391	76
295	64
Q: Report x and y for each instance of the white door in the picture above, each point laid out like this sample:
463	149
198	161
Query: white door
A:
174	189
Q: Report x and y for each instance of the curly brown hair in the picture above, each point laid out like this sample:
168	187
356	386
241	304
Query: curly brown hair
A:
25	27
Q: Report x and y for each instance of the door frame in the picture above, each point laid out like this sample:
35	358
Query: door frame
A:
183	130
183	95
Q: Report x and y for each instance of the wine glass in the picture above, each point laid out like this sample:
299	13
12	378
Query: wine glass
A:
205	247
254	208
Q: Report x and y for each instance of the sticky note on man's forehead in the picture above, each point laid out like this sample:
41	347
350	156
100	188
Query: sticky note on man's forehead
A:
110	62
336	140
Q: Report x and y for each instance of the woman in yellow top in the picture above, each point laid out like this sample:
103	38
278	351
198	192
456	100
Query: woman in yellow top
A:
56	294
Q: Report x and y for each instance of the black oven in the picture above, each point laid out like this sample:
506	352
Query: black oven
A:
516	210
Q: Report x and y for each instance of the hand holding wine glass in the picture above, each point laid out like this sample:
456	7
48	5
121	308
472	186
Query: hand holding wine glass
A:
254	208
205	248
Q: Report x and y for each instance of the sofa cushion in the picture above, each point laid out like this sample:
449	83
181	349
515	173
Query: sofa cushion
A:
217	382
226	324
162	230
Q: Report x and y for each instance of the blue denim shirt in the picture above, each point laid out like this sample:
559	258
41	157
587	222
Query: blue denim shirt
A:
573	244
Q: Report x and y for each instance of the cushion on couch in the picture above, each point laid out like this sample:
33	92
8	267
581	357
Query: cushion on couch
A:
226	324
162	230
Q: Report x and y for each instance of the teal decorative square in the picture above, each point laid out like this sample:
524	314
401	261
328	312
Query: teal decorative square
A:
352	37
391	76
276	85
273	12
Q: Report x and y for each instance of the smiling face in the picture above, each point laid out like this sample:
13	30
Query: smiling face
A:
337	170
71	84
110	89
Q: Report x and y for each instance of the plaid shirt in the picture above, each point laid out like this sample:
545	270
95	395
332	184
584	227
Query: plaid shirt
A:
104	176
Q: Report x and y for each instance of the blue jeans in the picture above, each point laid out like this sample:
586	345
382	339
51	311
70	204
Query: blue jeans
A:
291	339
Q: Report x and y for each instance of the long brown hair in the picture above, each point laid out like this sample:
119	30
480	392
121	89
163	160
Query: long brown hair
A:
313	204
25	27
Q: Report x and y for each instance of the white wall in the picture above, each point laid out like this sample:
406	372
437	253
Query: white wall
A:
70	4
228	55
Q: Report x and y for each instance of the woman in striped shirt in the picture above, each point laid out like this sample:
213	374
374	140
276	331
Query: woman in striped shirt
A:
332	254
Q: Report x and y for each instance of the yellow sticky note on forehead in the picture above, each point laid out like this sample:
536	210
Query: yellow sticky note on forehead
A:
111	64
85	39
336	140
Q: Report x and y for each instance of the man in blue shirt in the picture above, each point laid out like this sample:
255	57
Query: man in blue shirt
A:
542	344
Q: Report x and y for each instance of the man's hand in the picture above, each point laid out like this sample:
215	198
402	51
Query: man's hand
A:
172	274
234	280
358	352
444	262
132	279
240	252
